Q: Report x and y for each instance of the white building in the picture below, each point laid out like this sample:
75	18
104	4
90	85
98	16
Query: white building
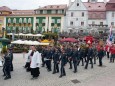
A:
110	13
76	16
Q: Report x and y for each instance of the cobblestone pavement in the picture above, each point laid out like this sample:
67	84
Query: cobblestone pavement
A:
98	76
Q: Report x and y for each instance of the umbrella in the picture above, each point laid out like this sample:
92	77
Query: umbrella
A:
45	41
69	40
5	41
38	35
18	42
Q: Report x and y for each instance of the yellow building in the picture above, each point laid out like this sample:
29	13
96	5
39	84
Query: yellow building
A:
4	11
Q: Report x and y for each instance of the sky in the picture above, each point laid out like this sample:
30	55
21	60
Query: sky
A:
32	4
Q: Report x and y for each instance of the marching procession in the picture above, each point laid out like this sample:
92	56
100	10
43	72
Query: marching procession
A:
55	58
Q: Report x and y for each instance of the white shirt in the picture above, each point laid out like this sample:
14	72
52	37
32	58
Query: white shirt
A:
36	60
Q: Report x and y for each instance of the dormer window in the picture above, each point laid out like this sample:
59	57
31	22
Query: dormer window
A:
77	4
57	6
45	7
51	6
89	6
99	6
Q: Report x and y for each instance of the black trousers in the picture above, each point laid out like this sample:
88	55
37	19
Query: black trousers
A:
87	62
75	66
112	58
94	59
27	66
81	60
100	60
56	67
43	62
70	63
35	72
7	70
107	54
62	70
48	64
11	66
4	70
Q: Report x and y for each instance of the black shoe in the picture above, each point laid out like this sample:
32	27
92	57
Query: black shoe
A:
70	68
64	74
3	75
60	76
53	72
85	68
32	78
11	70
7	78
100	65
74	71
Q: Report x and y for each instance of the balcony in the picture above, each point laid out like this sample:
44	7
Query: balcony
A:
97	25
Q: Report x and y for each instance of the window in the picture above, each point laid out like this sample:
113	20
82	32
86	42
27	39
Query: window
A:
112	14
82	23
14	20
20	20
56	11
25	21
9	20
71	14
43	21
48	11
101	23
0	12
37	20
112	23
71	23
29	20
77	4
41	11
58	20
82	14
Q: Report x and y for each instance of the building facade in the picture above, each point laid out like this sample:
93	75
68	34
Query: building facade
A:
50	18
76	16
110	13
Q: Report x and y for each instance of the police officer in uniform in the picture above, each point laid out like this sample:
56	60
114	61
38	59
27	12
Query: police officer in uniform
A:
89	57
70	52
63	60
56	56
7	64
49	58
75	59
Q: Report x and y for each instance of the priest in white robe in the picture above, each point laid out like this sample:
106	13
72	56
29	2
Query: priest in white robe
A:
35	63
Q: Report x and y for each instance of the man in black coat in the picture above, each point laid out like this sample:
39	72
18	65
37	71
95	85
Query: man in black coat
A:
89	57
49	58
56	56
7	64
69	53
81	55
75	59
63	60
